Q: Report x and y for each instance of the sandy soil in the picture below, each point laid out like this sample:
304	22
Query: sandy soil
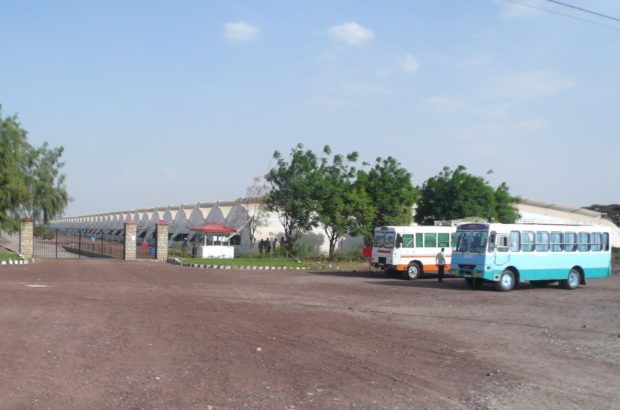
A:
103	334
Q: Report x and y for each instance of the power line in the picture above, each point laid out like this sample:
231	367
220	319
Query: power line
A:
562	14
584	10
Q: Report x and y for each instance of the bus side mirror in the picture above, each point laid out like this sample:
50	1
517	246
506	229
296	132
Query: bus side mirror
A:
399	240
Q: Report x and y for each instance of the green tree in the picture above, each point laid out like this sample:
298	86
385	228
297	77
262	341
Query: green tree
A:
49	194
14	154
391	193
611	211
31	182
456	194
342	207
293	194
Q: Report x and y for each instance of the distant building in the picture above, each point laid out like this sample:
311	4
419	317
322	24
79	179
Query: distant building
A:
181	218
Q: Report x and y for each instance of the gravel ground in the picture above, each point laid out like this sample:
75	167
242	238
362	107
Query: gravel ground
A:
102	334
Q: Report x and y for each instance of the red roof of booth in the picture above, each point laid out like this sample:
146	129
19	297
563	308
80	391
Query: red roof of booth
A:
214	227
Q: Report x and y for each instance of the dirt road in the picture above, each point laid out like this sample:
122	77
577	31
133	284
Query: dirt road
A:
107	334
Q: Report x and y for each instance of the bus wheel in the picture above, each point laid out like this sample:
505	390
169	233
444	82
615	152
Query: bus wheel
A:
412	272
573	280
473	283
506	281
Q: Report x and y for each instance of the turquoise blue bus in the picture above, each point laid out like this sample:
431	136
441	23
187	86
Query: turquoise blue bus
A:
507	254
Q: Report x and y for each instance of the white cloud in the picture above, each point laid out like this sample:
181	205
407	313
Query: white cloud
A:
240	31
351	33
529	85
409	64
519	10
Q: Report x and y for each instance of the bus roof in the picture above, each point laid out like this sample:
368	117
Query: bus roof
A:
530	226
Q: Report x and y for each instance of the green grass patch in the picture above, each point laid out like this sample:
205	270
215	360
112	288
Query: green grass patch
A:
7	256
283	262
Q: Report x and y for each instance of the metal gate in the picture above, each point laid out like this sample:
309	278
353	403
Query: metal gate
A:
77	243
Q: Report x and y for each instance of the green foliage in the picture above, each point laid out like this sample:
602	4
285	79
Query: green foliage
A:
341	206
30	180
49	194
611	211
9	256
293	193
307	191
391	194
457	194
14	153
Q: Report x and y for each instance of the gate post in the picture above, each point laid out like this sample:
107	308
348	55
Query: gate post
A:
26	237
129	251
161	241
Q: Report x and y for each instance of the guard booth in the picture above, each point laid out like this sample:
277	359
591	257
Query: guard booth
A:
213	241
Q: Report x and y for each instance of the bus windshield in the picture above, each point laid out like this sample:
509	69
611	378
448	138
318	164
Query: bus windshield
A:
471	241
377	241
383	240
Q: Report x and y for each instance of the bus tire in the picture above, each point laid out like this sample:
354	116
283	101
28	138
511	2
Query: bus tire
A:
573	280
506	281
412	272
473	283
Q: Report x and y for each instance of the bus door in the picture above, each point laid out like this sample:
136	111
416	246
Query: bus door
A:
501	251
499	242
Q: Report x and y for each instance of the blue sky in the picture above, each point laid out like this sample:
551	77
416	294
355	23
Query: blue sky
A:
160	102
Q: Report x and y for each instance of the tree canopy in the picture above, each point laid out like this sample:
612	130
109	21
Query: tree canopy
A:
391	193
330	191
31	182
456	194
293	193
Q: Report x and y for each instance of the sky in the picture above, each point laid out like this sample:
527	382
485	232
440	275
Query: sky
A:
160	103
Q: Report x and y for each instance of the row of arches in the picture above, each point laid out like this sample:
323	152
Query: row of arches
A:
180	220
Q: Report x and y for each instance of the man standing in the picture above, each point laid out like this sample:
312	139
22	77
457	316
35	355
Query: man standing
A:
440	259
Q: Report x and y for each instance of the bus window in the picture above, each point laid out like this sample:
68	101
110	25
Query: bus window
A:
461	243
377	241
389	240
542	241
583	241
492	241
430	240
502	243
527	241
419	240
478	241
515	241
596	241
408	240
556	241
443	240
569	242
605	241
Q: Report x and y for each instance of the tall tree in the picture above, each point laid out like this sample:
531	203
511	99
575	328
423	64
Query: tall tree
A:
14	154
293	193
456	194
342	208
49	193
392	194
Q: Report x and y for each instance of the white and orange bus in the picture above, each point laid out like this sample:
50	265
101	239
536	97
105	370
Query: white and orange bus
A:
410	251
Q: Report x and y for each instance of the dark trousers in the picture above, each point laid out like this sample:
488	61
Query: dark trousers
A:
440	273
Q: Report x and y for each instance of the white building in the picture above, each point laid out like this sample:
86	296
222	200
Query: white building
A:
181	218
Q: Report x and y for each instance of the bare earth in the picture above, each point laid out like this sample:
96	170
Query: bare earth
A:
101	334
